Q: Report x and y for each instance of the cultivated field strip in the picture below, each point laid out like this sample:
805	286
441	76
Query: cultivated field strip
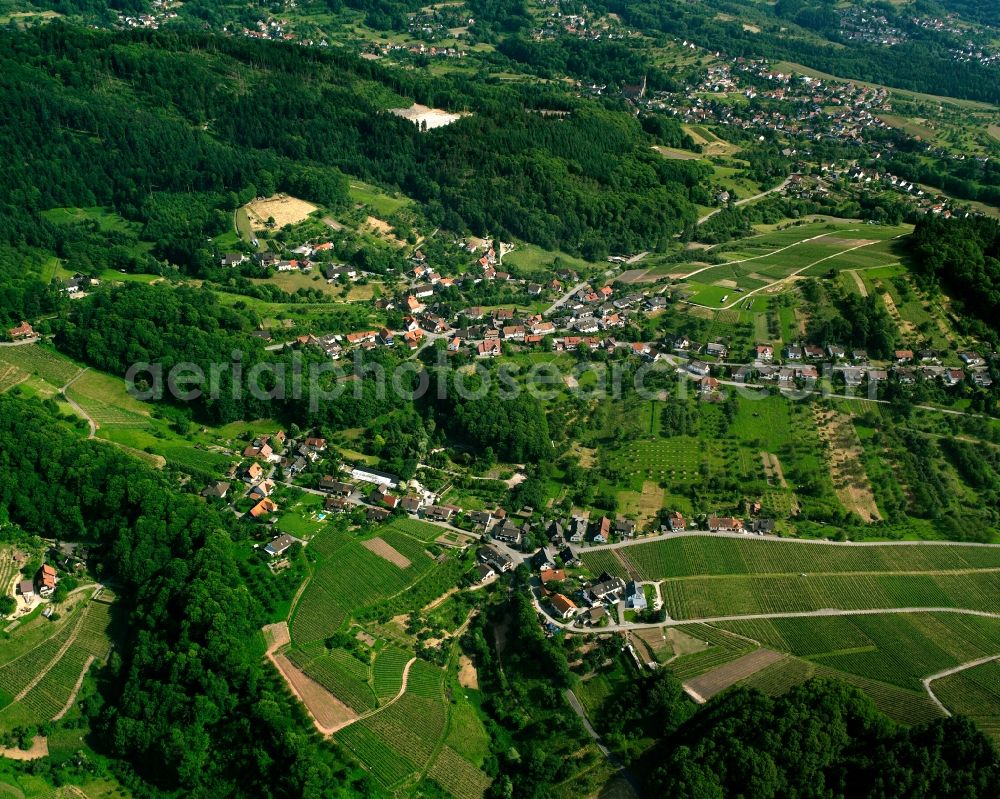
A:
457	775
707	597
705	555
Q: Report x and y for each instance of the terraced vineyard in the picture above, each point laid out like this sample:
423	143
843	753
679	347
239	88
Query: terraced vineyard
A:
59	670
35	359
341	674
400	740
720	647
457	775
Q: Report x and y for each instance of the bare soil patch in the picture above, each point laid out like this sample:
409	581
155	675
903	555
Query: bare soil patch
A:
39	749
846	242
329	713
587	455
719	679
844	451
468	677
683	644
657	641
727	284
631	276
285	209
385	550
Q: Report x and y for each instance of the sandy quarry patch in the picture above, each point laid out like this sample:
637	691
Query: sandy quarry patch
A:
425	117
844	451
719	679
39	749
285	209
468	677
385	550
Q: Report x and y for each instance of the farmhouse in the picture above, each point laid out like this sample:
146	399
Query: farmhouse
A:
46	580
279	545
23	330
675	521
724	524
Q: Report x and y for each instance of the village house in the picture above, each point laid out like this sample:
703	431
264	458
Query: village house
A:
563	606
675	522
484	572
765	352
552	576
903	356
603	532
410	504
717	350
279	545
263	509
216	490
262	489
26	588
625	528
439	513
254	473
595	615
377	514
495	558
699	368
509	533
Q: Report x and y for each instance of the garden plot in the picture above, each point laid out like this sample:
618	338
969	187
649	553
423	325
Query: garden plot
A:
844	454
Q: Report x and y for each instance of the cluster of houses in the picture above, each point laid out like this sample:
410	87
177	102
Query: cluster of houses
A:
596	603
799	364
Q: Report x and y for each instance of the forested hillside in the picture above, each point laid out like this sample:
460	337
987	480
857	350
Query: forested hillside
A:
214	122
188	703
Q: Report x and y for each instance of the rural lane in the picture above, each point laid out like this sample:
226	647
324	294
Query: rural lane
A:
947	673
780	187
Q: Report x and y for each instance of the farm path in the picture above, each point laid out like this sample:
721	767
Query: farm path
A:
56	658
947	673
791	541
76	689
798	614
862	288
73	404
380	708
611	757
788	278
780	187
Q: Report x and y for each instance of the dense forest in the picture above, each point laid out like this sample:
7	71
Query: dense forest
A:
187	702
962	257
820	739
